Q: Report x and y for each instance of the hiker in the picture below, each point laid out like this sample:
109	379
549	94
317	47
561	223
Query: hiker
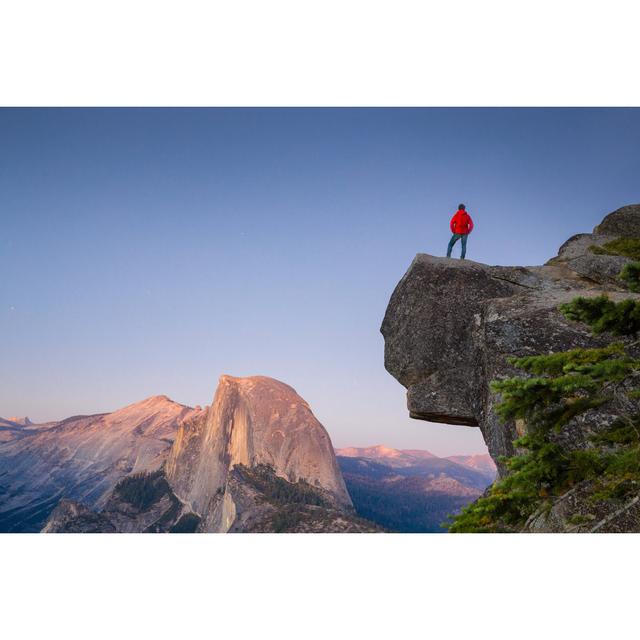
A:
461	226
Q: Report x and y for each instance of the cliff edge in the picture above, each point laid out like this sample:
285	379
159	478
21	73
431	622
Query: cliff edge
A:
451	326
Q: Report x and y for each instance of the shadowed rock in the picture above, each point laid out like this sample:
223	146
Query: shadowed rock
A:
72	517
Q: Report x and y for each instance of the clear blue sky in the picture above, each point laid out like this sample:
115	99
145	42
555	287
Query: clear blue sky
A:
147	251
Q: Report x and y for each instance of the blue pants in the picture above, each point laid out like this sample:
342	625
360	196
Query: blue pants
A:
454	238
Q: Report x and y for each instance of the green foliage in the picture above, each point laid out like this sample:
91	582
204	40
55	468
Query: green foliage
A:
557	388
620	460
630	275
510	501
142	490
562	362
628	247
566	385
546	471
602	314
279	491
621	432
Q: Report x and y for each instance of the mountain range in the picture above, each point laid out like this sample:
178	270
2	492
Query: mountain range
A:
257	459
412	490
82	458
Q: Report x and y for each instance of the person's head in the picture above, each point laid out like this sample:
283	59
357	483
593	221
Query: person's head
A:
461	207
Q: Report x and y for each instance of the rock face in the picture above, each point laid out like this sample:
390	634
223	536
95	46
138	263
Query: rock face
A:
451	325
575	512
82	458
252	421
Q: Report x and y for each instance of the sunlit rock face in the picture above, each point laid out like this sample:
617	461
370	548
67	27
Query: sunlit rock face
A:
252	421
82	458
451	325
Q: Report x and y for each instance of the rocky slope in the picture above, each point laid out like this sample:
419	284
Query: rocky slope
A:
82	458
140	503
451	325
15	427
409	491
267	503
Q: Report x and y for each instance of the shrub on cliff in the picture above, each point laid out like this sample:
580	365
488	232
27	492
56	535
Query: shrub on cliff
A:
604	315
627	247
556	389
630	275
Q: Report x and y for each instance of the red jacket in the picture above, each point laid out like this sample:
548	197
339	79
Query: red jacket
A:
461	222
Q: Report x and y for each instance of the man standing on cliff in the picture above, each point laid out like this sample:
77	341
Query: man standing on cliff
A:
461	226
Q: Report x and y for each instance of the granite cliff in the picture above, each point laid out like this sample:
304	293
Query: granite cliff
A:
256	460
451	326
252	421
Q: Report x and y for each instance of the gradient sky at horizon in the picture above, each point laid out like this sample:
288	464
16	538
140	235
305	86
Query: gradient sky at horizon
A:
148	251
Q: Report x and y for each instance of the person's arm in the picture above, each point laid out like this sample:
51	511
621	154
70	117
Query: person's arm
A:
452	225
470	224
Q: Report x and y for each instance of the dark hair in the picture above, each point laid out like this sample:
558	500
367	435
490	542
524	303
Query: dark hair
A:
461	206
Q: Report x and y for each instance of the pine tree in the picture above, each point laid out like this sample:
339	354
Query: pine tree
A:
602	314
553	390
630	275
